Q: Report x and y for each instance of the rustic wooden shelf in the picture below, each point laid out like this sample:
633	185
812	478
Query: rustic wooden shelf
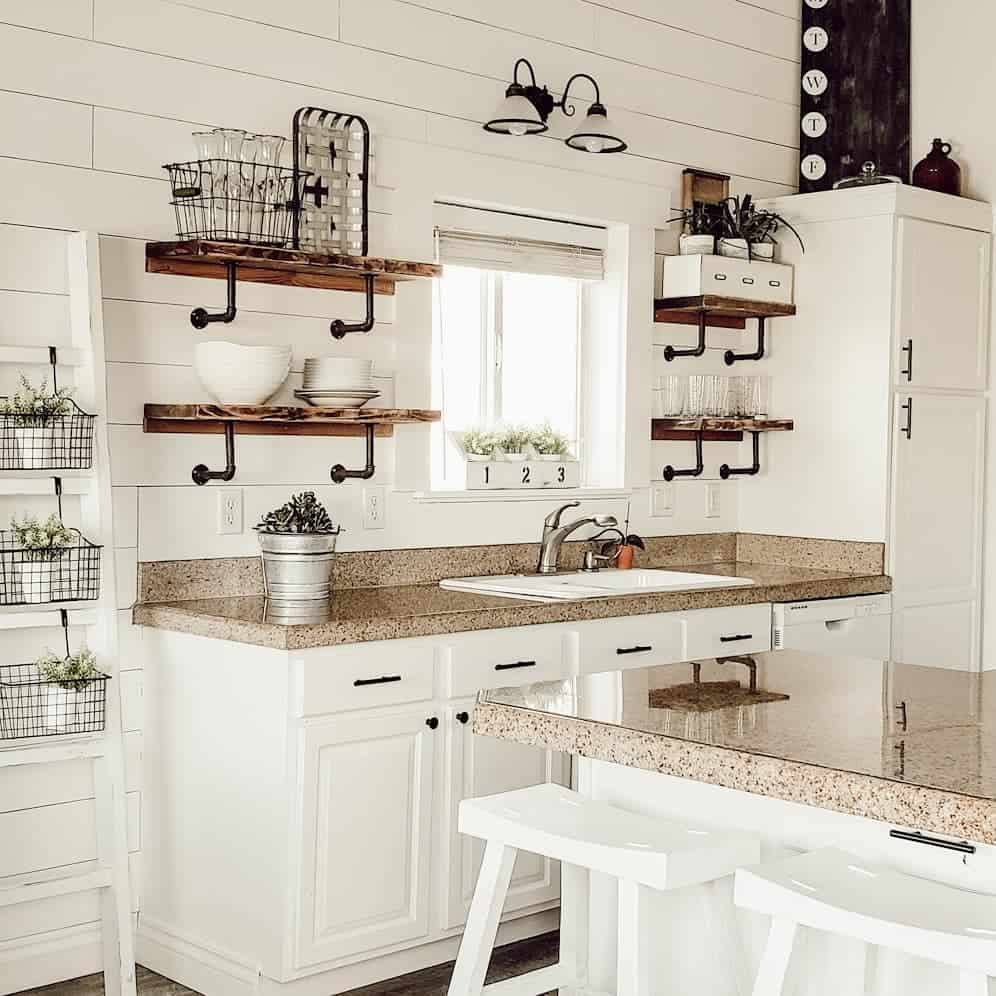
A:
722	312
288	267
281	420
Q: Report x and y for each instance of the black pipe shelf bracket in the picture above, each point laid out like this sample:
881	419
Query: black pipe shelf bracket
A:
726	471
201	474
340	329
669	473
340	474
730	357
200	318
670	353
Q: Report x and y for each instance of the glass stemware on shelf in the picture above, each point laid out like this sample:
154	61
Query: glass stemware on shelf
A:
710	396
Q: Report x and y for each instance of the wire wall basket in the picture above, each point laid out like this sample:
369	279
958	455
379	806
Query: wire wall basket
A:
36	577
31	706
228	200
47	442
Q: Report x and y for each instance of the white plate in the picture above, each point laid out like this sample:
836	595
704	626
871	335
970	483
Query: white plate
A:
341	401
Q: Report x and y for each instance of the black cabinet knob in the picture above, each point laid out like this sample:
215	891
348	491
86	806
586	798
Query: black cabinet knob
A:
432	722
463	717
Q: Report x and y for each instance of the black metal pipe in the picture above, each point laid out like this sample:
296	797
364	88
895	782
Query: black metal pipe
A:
670	352
730	357
726	471
339	473
340	329
200	318
669	473
201	475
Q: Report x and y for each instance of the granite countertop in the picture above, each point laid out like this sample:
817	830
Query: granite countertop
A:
358	615
901	744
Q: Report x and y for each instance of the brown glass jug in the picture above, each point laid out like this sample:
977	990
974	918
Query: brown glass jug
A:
938	171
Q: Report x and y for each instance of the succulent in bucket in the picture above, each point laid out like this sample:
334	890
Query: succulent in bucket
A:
304	513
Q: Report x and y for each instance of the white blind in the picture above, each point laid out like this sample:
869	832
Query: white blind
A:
517	255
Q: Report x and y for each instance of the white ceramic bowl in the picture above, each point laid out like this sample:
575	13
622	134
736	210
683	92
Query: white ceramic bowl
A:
241	375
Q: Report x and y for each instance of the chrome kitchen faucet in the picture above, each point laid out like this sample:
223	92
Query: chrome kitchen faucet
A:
554	535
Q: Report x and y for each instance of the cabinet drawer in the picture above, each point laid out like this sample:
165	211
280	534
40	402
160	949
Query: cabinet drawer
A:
364	676
632	641
498	658
726	632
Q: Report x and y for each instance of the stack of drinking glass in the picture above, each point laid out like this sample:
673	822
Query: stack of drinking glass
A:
710	396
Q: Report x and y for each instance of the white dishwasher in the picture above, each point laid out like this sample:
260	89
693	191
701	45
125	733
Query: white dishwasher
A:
859	626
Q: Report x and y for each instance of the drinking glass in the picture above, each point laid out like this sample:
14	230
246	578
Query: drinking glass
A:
755	396
669	396
695	397
228	180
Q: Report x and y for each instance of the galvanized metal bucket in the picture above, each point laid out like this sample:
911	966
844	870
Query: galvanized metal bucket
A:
297	567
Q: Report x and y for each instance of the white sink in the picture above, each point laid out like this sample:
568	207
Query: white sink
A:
584	584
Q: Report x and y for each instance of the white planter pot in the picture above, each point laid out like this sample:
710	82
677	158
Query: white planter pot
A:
41	446
478	457
514	457
733	248
764	251
65	708
35	581
696	245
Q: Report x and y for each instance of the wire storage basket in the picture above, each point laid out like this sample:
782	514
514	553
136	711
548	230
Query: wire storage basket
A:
226	200
35	577
47	442
31	706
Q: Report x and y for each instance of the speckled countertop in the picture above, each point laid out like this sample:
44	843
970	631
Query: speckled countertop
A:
912	746
357	615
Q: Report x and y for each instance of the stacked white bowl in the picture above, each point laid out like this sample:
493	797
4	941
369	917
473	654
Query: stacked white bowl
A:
241	375
337	382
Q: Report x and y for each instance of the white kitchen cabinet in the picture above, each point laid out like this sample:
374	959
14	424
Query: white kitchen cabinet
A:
477	766
942	306
366	812
935	551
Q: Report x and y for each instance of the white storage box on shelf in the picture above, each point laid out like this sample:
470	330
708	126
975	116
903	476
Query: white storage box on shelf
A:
752	280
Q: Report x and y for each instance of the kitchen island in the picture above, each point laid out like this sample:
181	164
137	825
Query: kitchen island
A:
828	750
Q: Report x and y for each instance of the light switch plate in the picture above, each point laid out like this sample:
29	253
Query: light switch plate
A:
374	507
662	500
229	511
712	509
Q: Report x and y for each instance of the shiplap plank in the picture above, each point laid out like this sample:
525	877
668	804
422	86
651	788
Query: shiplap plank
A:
126	576
54	131
162	333
791	9
122	267
729	21
131	685
33	259
125	503
311	17
661	46
416	33
67	17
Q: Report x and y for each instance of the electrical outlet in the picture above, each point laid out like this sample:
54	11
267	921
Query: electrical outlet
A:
712	510
229	511
662	500
374	507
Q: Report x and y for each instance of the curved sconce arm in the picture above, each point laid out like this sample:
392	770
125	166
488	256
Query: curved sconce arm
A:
562	103
529	66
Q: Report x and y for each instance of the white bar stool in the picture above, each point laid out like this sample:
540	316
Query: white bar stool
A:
839	893
640	851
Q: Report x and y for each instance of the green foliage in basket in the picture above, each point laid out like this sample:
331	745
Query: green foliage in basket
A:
547	440
479	441
46	540
304	513
33	405
69	672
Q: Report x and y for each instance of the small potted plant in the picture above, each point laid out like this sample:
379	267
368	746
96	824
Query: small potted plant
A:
34	415
69	702
748	231
549	444
513	442
37	546
700	223
478	444
297	542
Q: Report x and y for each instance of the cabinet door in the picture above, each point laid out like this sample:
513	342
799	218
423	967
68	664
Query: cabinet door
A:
366	816
936	533
942	306
477	766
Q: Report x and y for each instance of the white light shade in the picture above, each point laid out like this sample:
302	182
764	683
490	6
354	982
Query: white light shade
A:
516	116
596	133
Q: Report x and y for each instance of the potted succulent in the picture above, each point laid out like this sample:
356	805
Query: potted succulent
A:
478	444
37	546
700	227
748	231
297	542
34	415
69	703
549	444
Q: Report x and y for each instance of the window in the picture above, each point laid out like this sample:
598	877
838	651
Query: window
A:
510	329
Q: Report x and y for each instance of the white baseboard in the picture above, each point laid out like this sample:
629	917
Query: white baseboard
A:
209	972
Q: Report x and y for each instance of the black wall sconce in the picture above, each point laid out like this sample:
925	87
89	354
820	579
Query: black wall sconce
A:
526	107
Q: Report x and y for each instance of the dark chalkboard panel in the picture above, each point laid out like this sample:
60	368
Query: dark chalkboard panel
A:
865	59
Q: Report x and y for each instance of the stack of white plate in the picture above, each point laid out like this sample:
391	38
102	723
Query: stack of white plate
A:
337	382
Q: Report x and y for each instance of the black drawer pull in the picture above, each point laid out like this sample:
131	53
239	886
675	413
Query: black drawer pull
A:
633	650
774	283
719	276
514	664
748	280
915	837
385	679
463	717
737	638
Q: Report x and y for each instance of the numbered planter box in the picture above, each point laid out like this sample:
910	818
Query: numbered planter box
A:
487	475
752	280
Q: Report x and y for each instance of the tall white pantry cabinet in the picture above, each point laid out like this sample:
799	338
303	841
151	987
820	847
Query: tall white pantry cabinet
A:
885	371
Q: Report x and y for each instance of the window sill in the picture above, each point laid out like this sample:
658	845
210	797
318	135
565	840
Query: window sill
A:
522	494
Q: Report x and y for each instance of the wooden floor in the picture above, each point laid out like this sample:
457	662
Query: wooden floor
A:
512	959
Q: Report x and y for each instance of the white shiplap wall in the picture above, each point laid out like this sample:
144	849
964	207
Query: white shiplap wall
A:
96	94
